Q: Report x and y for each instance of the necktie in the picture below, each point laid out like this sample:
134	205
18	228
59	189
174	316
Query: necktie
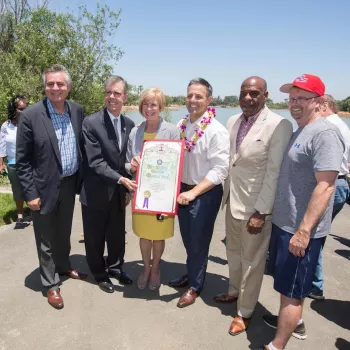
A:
116	130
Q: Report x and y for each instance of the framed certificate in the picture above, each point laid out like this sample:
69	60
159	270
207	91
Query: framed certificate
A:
159	177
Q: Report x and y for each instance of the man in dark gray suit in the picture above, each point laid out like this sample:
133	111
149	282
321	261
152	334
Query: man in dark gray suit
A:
48	163
105	191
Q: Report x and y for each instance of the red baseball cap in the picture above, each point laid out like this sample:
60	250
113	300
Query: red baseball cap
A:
306	82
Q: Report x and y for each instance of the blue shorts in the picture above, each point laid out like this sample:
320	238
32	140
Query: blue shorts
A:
293	276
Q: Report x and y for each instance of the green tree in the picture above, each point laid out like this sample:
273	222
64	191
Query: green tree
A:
216	101
344	105
139	89
230	101
133	96
168	100
81	43
179	100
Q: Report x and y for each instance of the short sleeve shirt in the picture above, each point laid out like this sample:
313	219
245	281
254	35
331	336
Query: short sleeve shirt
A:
316	147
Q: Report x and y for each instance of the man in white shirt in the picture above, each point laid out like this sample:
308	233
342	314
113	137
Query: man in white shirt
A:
330	110
205	168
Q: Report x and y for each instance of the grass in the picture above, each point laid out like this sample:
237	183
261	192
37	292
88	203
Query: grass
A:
4	181
8	211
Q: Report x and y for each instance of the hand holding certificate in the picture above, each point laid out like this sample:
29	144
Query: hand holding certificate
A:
159	177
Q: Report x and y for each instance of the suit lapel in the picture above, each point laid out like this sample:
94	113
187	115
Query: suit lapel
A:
77	131
51	131
252	132
73	120
122	131
233	138
106	120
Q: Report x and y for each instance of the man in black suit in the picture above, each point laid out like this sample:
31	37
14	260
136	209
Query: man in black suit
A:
105	191
48	164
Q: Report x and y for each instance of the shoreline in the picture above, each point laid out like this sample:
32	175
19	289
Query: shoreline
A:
344	114
136	107
177	107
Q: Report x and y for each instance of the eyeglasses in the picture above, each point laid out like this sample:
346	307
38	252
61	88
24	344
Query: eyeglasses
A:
299	99
21	109
115	93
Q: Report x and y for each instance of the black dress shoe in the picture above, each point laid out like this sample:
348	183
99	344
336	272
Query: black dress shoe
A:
106	285
121	276
20	224
179	282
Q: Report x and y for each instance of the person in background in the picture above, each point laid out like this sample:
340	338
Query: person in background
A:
151	228
8	136
329	111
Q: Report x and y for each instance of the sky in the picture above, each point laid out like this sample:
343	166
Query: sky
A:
167	43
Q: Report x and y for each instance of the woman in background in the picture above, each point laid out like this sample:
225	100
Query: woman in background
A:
151	228
8	136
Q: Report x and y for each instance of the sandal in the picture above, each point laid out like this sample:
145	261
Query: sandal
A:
154	285
141	282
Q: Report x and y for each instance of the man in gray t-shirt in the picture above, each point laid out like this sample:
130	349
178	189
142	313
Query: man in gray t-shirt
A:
313	148
303	206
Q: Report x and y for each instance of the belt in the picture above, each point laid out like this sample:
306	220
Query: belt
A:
187	187
342	177
67	177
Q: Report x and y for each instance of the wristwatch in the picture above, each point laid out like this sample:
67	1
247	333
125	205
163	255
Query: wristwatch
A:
260	213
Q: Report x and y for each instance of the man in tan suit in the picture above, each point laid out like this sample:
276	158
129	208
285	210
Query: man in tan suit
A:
259	138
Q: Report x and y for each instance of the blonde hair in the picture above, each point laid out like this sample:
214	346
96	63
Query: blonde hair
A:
151	93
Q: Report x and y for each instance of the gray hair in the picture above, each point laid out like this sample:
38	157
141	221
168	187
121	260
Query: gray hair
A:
203	82
56	68
332	103
114	79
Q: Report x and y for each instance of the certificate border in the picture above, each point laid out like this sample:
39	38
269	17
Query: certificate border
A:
179	177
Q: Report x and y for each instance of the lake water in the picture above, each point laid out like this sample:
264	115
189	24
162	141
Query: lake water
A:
222	115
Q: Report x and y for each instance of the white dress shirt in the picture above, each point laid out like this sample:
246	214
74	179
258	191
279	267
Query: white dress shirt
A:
344	130
119	127
8	137
209	159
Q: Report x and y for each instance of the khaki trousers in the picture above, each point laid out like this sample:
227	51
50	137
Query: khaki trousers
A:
246	256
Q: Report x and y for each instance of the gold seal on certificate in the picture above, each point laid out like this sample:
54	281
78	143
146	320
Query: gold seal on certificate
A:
159	177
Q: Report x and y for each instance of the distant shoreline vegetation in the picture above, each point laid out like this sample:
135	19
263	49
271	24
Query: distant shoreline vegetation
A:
276	106
176	102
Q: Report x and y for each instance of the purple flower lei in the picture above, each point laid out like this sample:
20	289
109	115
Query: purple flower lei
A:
199	131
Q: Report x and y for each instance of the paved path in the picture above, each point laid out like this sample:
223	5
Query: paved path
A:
133	319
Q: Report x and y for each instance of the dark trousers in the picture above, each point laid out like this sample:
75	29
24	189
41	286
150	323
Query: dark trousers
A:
197	225
52	235
102	226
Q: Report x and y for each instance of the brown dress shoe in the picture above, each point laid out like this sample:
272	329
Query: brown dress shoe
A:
76	275
225	298
239	325
55	299
188	298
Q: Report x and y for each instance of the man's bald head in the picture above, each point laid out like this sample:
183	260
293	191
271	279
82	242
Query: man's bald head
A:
255	81
253	95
